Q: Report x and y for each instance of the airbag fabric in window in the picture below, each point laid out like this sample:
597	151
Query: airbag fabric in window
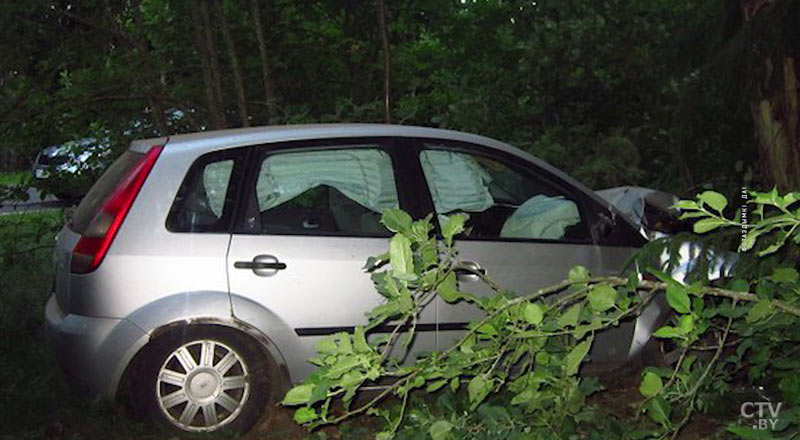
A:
216	176
363	175
542	217
456	182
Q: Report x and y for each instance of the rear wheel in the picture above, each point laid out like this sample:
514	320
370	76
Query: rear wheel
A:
204	379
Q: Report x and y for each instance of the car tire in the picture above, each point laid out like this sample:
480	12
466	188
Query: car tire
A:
203	379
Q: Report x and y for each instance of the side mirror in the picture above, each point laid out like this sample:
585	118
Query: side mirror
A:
606	221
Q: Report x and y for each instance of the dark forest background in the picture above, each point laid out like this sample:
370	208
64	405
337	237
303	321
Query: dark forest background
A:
672	94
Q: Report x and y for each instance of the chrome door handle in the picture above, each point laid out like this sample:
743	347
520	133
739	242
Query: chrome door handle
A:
258	265
262	265
469	271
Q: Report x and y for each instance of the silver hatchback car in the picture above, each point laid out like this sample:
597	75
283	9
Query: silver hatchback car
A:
197	275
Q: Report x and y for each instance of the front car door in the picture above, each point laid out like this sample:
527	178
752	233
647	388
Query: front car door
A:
526	229
310	219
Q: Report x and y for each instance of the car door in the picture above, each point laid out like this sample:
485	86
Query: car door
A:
526	229
311	219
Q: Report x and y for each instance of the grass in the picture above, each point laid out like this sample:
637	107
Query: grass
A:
15	178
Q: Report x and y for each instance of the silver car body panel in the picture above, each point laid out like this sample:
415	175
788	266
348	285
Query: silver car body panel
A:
152	278
323	289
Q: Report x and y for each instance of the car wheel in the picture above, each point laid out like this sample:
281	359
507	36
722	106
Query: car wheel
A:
204	379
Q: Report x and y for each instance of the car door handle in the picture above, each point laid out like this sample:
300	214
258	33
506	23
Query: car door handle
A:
262	265
259	265
470	271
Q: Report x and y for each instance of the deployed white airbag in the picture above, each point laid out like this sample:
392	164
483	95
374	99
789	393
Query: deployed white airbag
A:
541	217
363	175
456	182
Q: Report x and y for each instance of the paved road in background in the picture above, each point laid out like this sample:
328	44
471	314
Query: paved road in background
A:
34	203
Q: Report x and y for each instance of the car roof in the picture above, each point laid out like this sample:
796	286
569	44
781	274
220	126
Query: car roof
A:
205	141
284	133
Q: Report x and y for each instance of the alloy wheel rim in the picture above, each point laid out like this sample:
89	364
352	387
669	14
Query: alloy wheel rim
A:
202	385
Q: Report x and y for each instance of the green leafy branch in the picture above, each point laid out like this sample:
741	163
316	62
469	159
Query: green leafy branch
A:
531	347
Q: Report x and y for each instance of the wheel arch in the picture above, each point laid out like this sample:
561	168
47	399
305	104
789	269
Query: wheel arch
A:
178	312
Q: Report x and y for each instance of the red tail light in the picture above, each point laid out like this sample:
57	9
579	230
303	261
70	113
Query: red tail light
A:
97	238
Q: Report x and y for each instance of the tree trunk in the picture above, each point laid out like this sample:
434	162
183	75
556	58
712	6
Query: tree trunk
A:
238	83
777	124
266	73
386	60
213	101
774	109
213	59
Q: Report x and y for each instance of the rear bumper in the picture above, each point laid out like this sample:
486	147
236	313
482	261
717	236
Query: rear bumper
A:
92	352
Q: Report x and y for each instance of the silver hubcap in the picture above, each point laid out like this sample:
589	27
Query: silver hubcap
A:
202	385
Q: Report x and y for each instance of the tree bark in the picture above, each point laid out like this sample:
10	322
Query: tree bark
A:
215	114
381	6
774	110
238	83
777	124
266	71
213	60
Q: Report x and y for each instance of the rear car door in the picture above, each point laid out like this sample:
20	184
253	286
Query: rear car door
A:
311	218
526	229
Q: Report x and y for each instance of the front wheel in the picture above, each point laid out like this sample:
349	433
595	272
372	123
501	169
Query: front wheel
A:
204	379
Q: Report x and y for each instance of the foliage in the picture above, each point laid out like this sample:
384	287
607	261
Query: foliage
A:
517	369
575	82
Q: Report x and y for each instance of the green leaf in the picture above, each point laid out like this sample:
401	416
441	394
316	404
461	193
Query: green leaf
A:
400	255
455	383
525	396
678	299
602	297
478	389
452	227
686	204
396	220
770	249
487	329
570	317
533	313
375	262
448	288
715	200
740	285
784	275
466	346
668	332
305	415
360	340
298	395
440	429
708	224
760	310
658	410
686	324
578	274
435	385
576	356
749	240
327	346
